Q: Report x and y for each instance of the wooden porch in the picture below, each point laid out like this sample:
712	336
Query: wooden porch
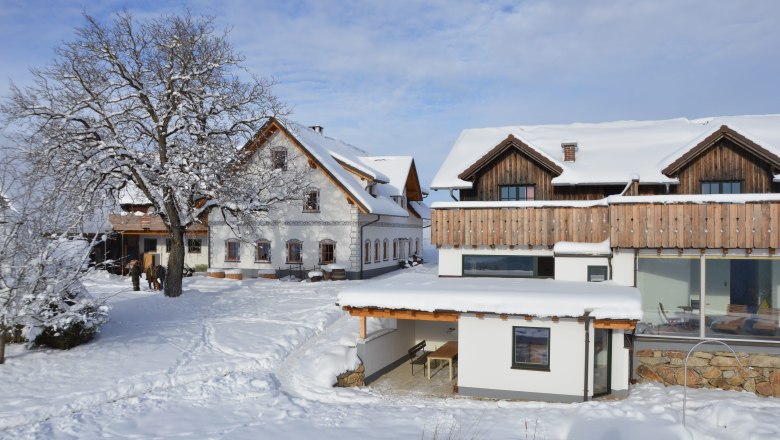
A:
640	224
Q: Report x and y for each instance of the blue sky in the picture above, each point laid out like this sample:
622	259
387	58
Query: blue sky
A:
401	77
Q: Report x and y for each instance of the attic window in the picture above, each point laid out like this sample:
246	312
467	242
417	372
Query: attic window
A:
401	200
721	187
371	188
279	159
311	201
517	192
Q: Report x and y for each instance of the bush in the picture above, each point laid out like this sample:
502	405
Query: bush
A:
71	322
66	338
200	267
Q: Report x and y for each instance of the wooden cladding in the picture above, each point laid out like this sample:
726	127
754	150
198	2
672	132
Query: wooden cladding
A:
635	225
702	226
519	226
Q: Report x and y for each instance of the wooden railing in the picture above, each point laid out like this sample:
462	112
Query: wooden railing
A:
519	226
627	225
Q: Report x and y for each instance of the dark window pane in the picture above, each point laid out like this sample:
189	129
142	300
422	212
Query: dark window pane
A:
531	347
508	266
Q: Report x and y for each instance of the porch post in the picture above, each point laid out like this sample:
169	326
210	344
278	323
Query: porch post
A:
362	327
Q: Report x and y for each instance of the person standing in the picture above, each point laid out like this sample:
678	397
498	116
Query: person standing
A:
135	274
161	276
150	277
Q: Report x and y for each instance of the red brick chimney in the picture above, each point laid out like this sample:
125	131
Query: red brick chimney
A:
569	151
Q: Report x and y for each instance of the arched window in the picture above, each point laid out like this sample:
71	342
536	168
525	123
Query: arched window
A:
327	251
232	250
376	251
263	251
294	252
395	249
367	252
384	250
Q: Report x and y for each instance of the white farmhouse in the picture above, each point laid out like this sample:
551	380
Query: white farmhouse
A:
359	213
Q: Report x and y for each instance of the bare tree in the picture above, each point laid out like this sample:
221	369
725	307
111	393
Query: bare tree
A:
164	105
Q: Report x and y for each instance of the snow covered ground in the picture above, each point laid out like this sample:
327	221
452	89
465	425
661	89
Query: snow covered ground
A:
255	359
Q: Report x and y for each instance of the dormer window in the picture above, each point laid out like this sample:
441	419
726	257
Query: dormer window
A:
721	187
401	200
279	158
371	188
517	192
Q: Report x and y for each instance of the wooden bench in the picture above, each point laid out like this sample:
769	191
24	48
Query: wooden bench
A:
414	359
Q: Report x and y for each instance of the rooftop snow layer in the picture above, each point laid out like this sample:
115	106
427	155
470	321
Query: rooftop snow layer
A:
537	297
607	152
396	168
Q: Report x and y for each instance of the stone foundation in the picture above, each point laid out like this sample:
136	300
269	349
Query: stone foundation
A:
717	369
353	378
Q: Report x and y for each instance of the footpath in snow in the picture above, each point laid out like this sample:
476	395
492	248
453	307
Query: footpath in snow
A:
256	359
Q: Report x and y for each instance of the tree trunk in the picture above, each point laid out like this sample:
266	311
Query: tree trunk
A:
2	345
173	274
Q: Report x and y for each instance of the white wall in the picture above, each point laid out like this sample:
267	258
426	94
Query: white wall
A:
620	362
390	228
435	333
623	267
485	356
379	351
190	259
576	268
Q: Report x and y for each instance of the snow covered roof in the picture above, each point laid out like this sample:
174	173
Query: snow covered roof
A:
331	153
396	168
537	297
608	152
131	195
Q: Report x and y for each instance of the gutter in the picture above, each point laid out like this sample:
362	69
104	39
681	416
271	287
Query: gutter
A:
360	244
453	197
587	318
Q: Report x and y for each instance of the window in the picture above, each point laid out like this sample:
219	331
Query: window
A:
597	273
232	250
517	192
531	348
410	246
311	201
367	252
327	252
417	246
520	266
193	245
376	251
401	200
395	249
721	187
294	251
279	159
384	250
150	245
263	251
168	245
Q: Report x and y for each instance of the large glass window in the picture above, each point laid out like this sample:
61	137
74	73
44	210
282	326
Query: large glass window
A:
521	266
516	192
740	297
531	348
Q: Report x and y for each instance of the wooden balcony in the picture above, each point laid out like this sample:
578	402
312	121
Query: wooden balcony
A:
627	224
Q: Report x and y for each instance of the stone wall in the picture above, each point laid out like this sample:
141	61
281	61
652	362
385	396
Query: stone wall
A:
353	378
718	369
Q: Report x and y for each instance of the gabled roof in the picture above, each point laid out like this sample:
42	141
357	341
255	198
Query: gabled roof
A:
511	143
339	161
402	175
715	136
608	152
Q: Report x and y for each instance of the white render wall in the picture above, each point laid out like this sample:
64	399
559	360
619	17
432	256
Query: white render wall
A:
386	346
485	356
571	268
390	228
451	259
190	259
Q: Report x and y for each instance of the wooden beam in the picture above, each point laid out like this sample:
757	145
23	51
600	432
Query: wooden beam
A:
617	324
362	327
415	315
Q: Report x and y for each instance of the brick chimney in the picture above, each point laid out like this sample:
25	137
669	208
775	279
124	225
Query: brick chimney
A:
569	151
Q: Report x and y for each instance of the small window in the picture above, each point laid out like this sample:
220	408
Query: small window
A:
294	251
367	252
395	249
193	245
168	245
279	159
417	246
721	187
150	245
327	252
597	273
232	250
517	192
531	348
376	252
311	201
384	250
263	251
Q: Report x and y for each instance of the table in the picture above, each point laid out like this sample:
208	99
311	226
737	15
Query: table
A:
447	352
